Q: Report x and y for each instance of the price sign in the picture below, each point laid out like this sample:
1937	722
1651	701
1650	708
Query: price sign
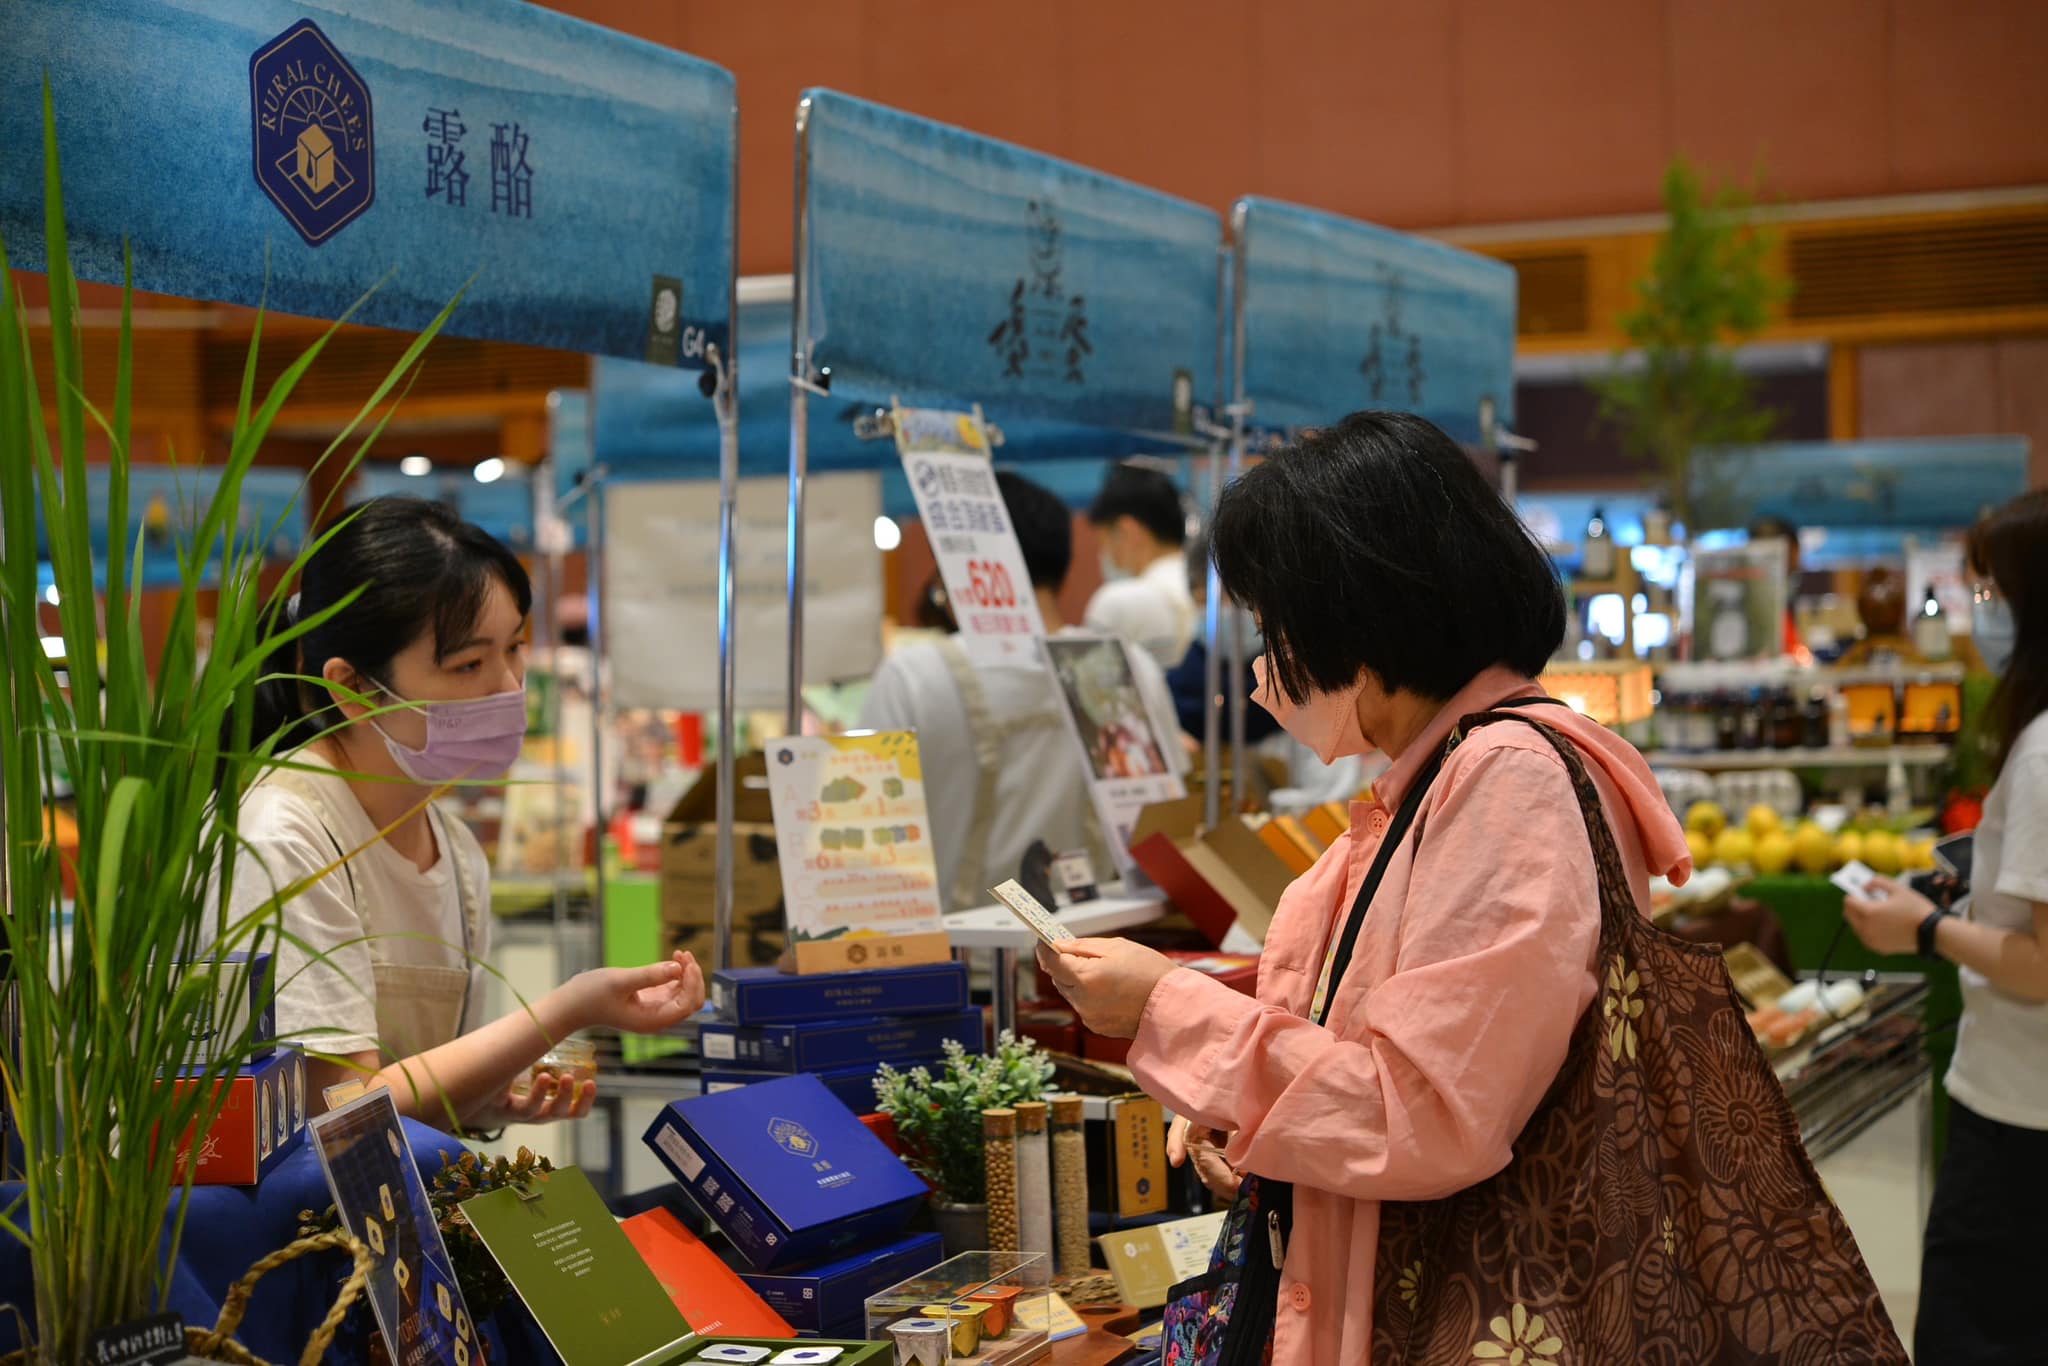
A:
946	459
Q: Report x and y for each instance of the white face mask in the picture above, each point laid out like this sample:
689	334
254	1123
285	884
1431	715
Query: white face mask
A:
1993	629
1112	572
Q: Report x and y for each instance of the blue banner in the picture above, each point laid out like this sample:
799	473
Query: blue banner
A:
584	178
1341	315
1934	483
945	269
648	423
166	504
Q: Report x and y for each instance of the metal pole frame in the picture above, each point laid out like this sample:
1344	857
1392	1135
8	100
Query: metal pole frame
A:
725	402
600	704
803	381
1212	678
1240	410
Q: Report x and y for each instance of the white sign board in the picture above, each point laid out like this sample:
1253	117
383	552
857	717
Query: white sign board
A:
1130	766
946	459
661	589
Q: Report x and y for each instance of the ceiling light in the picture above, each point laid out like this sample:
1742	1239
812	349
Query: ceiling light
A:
887	534
490	471
418	466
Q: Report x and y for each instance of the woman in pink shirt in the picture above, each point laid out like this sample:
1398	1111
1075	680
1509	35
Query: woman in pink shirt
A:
1397	594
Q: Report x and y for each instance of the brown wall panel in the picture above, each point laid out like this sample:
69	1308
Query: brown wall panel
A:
1965	388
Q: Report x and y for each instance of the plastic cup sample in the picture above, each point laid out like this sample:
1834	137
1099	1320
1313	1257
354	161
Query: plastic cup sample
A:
922	1342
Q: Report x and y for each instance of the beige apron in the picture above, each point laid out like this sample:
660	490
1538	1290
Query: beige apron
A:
991	737
420	1006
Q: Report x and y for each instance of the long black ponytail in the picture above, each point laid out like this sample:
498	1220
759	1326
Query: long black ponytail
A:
420	568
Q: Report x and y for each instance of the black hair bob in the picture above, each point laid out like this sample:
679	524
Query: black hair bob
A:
1375	545
421	569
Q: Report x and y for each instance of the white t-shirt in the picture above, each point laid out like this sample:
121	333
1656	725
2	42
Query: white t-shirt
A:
1155	610
2001	1063
1042	791
379	921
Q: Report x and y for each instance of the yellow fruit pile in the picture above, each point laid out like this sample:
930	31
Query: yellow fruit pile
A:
1764	844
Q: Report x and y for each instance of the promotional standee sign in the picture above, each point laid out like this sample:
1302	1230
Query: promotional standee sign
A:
1130	766
377	1189
946	460
859	879
574	184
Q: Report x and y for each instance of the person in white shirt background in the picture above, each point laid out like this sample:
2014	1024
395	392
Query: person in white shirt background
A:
1982	1261
1144	597
1001	769
417	639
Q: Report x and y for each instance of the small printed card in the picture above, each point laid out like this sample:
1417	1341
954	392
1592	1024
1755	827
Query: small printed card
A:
1027	908
1855	878
577	1271
157	1341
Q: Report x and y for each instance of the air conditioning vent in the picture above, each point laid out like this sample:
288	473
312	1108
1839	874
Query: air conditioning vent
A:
1551	293
1942	267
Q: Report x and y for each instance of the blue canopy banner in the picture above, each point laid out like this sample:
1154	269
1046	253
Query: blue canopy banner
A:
1341	315
166	504
942	268
1932	484
311	150
647	423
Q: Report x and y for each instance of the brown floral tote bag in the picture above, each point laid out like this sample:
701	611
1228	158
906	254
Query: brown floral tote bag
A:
1659	1207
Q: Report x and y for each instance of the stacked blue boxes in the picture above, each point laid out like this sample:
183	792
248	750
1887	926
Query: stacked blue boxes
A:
840	1027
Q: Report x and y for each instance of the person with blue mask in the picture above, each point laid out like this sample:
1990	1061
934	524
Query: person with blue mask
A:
1980	1267
410	675
1144	598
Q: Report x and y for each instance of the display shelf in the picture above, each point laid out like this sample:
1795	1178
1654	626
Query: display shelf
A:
1724	761
1856	1071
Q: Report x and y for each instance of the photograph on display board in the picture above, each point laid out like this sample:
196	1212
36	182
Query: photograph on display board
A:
1101	694
378	1193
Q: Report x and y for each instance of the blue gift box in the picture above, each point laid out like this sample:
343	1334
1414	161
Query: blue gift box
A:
837	1043
785	1170
854	1086
827	1299
769	996
244	999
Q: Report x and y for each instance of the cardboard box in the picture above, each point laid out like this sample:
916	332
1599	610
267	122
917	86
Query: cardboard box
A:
689	868
1217	878
826	1297
837	1043
262	1121
854	1086
713	1299
245	999
785	1170
1148	1262
765	996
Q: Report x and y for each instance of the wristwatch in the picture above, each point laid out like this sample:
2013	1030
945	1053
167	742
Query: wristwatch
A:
1927	930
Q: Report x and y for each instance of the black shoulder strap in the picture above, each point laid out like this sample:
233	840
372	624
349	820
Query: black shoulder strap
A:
1397	832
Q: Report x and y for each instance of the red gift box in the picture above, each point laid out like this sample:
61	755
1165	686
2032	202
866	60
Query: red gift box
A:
259	1124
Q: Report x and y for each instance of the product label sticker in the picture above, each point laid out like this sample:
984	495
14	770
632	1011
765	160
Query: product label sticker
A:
665	321
1026	908
679	1150
719	1047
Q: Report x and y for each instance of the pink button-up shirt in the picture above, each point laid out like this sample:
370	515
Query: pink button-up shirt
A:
1450	1023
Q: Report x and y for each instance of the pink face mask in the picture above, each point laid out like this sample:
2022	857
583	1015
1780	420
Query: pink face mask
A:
1327	723
476	738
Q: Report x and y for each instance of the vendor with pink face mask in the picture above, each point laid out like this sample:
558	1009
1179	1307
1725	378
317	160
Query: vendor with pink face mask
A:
1397	594
418	628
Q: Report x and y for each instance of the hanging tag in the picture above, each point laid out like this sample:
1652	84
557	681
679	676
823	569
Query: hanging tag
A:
155	1341
665	321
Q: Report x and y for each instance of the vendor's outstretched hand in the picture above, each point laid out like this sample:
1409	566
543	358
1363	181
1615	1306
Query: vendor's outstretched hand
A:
1107	981
645	1000
549	1097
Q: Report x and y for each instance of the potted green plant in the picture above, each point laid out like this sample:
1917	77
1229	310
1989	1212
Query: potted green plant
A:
1678	390
938	1122
122	942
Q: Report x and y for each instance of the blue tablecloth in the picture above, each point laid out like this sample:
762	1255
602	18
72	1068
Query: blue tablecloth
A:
229	1228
